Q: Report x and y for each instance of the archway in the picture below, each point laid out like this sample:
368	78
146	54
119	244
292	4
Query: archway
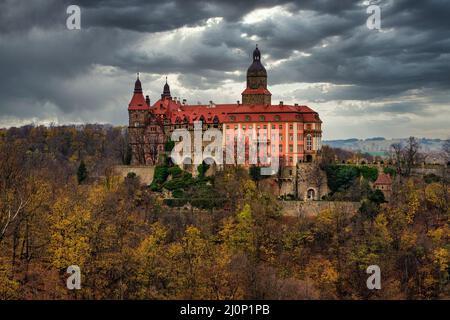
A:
311	194
309	158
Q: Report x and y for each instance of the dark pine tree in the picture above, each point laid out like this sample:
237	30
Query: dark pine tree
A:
81	172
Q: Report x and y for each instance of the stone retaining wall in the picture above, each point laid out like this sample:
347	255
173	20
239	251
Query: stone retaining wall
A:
312	208
145	173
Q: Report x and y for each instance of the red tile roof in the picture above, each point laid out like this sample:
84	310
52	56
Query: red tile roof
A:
138	102
383	179
256	91
178	112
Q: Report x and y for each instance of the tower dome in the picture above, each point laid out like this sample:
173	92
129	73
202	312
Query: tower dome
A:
256	91
256	69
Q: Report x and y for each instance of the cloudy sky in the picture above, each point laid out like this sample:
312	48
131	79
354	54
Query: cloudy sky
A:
393	82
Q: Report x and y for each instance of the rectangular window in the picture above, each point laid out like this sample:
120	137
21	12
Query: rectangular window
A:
281	138
291	137
243	127
309	142
291	148
280	126
273	126
281	148
291	127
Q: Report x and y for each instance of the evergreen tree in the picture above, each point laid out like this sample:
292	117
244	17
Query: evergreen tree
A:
81	172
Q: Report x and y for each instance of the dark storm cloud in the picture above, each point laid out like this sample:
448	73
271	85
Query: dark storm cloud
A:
320	41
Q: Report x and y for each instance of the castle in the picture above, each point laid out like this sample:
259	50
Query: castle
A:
298	127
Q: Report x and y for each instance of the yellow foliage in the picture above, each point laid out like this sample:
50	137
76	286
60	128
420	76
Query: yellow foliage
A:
8	286
324	275
408	240
440	235
441	258
434	194
412	205
69	242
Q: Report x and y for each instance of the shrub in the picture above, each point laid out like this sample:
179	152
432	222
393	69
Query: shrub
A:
431	177
369	173
390	171
175	171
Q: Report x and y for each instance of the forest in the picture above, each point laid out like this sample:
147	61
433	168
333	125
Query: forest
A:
61	205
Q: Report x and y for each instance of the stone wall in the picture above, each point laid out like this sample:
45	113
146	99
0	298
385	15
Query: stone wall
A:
145	173
312	208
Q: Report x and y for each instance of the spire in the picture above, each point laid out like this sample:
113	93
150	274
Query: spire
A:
138	85
166	91
138	101
256	54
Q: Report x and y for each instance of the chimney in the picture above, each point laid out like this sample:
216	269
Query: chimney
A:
147	100
296	104
238	102
184	101
281	103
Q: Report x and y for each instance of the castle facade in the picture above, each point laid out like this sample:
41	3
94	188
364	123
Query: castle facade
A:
298	128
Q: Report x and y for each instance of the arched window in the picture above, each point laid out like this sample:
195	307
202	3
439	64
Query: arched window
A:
311	194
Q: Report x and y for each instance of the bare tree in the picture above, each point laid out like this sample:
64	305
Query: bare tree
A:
446	150
411	154
397	156
13	195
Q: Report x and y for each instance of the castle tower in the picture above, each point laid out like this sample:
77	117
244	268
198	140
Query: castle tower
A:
256	91
138	112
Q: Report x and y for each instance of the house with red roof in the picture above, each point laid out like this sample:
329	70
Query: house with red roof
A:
384	184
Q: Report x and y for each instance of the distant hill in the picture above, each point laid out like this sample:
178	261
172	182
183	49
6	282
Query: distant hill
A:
380	146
